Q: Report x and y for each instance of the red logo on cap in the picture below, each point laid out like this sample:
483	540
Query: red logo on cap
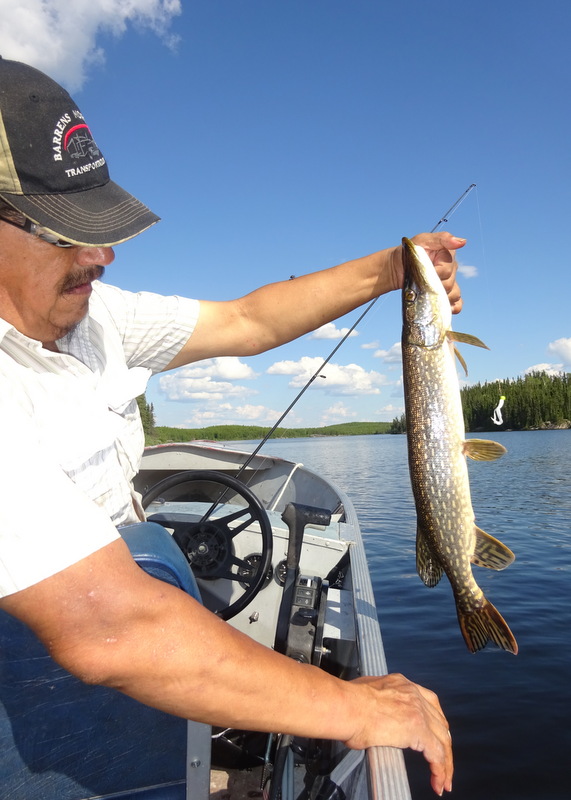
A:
78	144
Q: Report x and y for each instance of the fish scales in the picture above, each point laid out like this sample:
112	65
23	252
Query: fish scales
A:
448	539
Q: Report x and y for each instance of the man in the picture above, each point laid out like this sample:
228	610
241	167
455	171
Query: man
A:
74	354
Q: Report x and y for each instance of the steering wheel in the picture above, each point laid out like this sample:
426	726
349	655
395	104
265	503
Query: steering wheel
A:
208	543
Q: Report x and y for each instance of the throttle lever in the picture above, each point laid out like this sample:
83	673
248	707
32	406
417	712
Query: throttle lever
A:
296	516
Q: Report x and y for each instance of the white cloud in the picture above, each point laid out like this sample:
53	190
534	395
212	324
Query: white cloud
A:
337	412
389	412
467	271
227	367
255	413
209	379
349	379
562	349
305	367
227	414
370	345
60	37
177	387
329	331
550	369
391	356
202	418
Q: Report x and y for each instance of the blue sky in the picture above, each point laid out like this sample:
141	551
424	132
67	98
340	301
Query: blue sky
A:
276	137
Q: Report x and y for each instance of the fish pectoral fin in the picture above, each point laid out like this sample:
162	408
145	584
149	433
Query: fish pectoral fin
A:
467	338
483	449
427	564
490	552
460	358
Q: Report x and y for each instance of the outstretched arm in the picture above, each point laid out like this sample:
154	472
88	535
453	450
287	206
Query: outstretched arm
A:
108	622
279	312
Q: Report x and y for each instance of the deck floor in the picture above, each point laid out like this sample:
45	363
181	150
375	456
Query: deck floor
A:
235	784
243	784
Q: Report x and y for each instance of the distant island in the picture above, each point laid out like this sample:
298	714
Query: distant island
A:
227	433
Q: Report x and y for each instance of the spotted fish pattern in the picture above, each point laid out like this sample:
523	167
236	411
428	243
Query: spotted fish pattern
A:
448	541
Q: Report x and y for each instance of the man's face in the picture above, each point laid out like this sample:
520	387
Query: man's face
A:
44	289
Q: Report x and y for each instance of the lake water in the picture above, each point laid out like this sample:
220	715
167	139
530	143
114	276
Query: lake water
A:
510	716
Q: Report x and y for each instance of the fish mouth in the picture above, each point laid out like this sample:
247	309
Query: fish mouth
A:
414	274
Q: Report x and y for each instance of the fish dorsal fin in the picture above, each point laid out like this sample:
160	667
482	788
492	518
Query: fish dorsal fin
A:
490	552
427	565
483	449
458	355
467	338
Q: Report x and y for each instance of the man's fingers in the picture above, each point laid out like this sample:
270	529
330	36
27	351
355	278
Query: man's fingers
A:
438	752
439	241
403	714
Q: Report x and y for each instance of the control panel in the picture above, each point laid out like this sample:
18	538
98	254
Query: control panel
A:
306	592
306	621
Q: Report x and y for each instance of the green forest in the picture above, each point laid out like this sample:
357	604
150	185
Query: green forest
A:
536	401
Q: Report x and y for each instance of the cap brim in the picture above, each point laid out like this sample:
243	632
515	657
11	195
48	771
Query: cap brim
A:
101	216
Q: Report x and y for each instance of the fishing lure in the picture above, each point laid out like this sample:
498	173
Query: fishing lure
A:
497	418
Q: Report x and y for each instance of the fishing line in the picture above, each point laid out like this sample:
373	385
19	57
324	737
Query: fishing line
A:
497	417
272	430
484	257
483	247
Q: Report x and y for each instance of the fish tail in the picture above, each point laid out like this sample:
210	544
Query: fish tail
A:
486	624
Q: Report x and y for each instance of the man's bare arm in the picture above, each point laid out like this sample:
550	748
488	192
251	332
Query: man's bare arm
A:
280	312
109	623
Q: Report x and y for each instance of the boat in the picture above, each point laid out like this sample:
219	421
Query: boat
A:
276	550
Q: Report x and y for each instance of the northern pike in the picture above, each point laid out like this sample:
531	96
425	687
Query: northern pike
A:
447	539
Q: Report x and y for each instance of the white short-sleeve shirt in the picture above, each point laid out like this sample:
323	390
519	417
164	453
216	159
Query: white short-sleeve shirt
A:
72	439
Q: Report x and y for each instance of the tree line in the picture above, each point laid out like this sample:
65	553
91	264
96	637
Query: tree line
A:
538	400
229	433
158	434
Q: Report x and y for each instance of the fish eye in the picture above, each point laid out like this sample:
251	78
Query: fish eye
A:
410	295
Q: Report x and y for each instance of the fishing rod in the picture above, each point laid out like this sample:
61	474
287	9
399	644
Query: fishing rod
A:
316	374
453	208
441	221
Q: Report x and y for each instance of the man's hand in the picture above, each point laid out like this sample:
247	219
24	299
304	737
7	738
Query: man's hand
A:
441	249
403	714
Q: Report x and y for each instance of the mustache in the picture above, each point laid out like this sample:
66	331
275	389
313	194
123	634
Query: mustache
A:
81	276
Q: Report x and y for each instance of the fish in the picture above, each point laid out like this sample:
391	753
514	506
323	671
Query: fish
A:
448	541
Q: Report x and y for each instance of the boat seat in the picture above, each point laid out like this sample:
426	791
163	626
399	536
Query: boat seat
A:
61	739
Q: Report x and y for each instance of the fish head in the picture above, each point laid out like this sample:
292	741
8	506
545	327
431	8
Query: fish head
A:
426	310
